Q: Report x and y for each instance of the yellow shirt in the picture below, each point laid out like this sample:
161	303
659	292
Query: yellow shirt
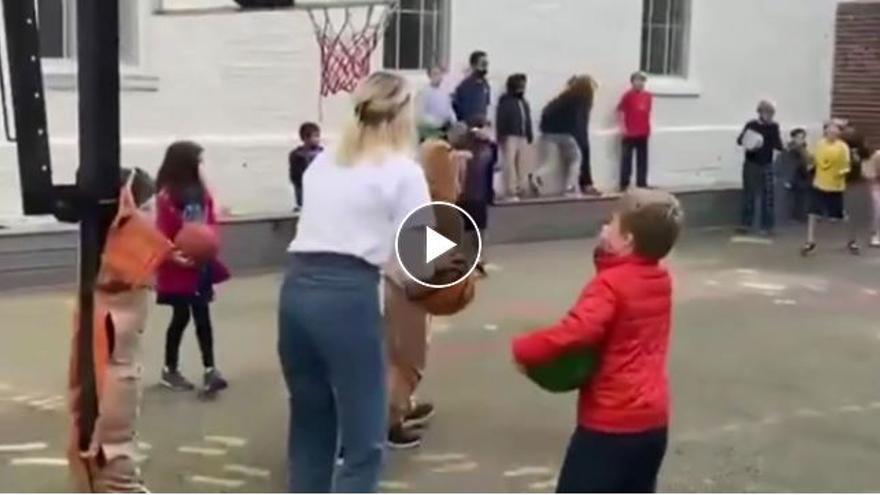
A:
831	160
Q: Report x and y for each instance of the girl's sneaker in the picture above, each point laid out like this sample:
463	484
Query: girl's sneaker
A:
808	249
174	380
214	381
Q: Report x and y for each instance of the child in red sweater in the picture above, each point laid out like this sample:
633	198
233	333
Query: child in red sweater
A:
624	313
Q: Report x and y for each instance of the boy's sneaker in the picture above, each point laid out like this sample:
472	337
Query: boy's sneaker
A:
174	380
214	381
420	416
854	248
400	438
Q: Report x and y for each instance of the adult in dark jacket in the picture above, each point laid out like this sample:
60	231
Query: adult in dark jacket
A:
565	126
514	130
761	139
473	95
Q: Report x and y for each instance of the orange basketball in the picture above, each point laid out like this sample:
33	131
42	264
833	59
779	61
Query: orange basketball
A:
198	241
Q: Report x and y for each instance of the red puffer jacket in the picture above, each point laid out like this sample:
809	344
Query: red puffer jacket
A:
625	312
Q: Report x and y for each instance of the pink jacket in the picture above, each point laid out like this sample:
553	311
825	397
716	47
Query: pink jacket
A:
173	278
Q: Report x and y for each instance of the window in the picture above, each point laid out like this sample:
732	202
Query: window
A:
416	37
665	31
57	23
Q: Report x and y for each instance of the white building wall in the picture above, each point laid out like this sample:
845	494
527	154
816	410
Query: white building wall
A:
242	84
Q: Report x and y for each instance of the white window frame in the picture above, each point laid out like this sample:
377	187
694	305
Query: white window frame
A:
61	73
442	18
648	26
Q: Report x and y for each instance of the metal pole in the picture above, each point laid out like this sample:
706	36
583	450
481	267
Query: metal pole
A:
98	177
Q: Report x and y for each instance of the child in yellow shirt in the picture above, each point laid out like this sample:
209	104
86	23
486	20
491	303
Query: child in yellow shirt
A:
831	161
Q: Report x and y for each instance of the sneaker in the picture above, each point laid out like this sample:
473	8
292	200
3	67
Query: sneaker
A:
400	438
420	416
591	191
214	381
174	380
808	249
574	193
854	248
875	241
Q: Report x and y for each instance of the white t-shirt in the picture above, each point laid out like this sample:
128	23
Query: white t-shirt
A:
356	210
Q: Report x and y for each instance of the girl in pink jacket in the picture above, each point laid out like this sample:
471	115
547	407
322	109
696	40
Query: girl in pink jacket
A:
187	286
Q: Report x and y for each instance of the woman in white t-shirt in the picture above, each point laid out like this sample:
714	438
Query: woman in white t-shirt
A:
330	333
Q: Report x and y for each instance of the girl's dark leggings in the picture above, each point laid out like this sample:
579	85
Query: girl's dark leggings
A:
200	313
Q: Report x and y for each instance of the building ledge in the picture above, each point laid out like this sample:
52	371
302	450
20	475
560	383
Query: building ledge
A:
674	87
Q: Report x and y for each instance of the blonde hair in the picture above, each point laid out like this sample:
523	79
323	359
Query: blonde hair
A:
383	121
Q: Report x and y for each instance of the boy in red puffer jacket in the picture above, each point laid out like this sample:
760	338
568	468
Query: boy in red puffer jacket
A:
625	313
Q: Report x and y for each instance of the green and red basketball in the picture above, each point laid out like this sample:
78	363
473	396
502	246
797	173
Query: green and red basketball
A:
566	373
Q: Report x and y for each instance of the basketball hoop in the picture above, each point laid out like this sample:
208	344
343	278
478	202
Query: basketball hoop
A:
346	48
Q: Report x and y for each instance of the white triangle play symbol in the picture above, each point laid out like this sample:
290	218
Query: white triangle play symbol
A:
436	245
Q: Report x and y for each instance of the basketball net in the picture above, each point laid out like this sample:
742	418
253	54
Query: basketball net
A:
346	49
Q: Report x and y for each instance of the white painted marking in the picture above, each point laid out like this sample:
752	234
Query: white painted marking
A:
870	292
741	239
808	413
207	452
851	409
23	447
397	486
766	287
713	283
46	402
51	407
747	271
544	485
440	457
213	481
5	387
528	471
816	288
460	467
708	482
770	420
731	427
226	441
492	267
490	328
875	405
21	399
39	461
144	446
251	472
785	302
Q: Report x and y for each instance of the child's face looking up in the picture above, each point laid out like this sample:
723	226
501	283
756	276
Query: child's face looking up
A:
614	240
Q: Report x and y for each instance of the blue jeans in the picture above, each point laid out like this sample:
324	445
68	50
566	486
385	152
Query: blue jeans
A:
332	354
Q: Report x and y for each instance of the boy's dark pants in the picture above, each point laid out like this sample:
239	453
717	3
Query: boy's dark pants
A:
758	186
599	462
639	146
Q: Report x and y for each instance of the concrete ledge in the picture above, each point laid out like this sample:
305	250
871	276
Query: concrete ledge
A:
45	255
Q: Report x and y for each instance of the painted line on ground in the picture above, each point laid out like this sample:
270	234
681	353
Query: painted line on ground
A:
23	447
440	457
460	467
46	401
39	461
544	485
144	446
203	451
251	472
226	441
762	241
214	481
490	328
397	486
528	471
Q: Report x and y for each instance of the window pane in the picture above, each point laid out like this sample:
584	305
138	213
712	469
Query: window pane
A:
658	51
410	41
410	5
389	57
677	53
429	40
50	21
643	64
679	13
659	11
128	31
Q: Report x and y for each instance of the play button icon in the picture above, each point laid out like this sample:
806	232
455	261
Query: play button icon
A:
438	245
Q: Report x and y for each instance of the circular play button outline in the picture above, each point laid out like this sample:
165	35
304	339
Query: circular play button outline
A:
476	258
